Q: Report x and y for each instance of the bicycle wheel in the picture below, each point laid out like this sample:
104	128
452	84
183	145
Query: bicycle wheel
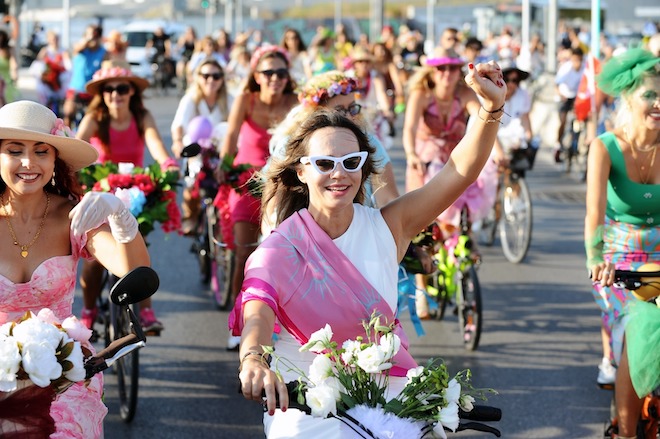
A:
127	367
436	291
488	228
222	263
201	248
468	302
516	220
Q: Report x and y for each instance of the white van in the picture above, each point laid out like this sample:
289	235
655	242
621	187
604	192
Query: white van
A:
138	33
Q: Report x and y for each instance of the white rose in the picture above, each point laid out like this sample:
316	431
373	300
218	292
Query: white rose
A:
439	430
40	363
125	168
321	399
466	403
4	329
449	416
453	391
10	360
124	195
35	330
318	340
414	373
320	369
390	344
77	372
351	348
372	359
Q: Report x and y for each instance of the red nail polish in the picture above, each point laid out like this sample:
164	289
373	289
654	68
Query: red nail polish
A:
470	66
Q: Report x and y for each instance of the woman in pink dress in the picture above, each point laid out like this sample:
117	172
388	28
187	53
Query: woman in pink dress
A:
119	127
266	99
43	236
436	118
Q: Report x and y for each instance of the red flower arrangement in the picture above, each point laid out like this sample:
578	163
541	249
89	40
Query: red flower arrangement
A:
147	192
239	178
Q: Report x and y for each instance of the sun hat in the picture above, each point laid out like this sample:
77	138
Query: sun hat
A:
625	72
442	56
112	70
28	120
361	54
508	67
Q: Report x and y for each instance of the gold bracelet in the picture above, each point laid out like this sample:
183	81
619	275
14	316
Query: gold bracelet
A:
262	358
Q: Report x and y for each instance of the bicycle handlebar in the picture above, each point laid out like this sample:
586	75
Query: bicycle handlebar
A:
136	285
478	414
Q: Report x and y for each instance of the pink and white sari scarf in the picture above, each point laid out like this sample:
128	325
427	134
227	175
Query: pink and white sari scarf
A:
307	281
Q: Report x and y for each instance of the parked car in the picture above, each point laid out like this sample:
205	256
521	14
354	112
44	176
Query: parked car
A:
137	34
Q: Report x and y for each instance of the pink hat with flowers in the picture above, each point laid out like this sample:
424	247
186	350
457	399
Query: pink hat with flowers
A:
112	70
442	56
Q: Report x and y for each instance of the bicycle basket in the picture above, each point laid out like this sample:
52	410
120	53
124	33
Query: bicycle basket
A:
520	160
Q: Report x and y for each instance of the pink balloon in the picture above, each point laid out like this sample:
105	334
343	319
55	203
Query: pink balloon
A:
199	128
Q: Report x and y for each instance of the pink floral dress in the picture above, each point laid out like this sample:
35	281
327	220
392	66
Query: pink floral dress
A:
78	412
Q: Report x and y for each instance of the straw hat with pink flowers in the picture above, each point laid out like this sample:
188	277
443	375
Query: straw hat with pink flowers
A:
112	70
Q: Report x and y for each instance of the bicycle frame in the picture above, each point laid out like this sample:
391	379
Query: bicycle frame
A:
648	426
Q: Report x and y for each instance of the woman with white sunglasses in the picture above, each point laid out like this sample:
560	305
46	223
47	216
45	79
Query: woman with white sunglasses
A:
334	90
333	260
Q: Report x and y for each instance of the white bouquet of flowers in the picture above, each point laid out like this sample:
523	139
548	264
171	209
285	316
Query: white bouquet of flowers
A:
351	383
44	350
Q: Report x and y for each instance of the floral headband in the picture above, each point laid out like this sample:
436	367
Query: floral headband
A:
321	91
263	50
113	72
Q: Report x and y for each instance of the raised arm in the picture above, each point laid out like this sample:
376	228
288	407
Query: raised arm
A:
410	213
417	101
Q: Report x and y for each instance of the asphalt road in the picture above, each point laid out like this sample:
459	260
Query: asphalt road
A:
539	348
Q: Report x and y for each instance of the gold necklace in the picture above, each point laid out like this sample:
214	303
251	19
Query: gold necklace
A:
24	247
645	179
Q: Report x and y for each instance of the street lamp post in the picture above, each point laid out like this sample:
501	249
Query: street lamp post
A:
338	7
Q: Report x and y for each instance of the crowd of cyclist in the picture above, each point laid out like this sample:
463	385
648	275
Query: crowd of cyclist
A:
258	88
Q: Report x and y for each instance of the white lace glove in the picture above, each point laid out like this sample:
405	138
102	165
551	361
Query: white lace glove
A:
93	210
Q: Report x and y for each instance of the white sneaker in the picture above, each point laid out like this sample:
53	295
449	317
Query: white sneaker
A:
606	372
233	342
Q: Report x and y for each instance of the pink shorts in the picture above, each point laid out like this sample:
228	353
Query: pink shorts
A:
244	208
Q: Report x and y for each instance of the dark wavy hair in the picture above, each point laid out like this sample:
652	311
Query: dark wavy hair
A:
99	111
282	183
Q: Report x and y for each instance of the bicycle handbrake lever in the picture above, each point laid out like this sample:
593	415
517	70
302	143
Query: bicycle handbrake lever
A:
477	426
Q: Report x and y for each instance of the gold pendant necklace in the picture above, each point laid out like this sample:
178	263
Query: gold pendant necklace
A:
634	150
24	247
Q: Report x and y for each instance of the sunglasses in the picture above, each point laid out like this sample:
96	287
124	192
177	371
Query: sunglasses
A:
215	76
353	109
324	164
650	96
512	79
121	89
448	68
280	73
